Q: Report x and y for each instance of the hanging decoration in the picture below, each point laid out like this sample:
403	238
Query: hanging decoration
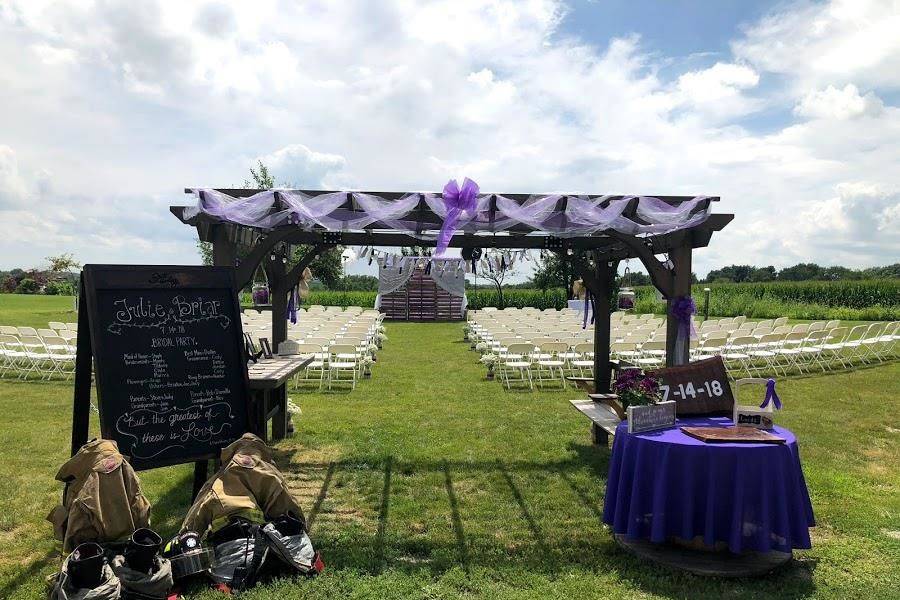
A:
626	296
456	201
303	286
293	302
259	292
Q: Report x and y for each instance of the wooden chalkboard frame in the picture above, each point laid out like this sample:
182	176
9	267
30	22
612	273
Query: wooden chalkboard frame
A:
136	277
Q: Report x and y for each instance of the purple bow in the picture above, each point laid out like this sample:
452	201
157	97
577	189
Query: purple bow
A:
682	309
771	395
293	302
456	201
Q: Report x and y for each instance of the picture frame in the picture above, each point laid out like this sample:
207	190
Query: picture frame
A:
253	353
266	348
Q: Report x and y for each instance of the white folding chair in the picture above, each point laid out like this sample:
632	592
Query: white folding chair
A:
315	371
342	359
61	356
38	357
736	353
550	364
517	360
12	356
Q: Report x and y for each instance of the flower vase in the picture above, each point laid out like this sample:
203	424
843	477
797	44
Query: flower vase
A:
490	372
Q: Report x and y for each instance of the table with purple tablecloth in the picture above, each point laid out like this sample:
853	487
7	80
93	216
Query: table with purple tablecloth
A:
666	484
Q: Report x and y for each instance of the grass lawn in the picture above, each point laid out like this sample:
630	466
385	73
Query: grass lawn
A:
430	482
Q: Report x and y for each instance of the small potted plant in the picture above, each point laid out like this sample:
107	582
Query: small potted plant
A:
373	348
482	347
367	366
380	338
634	388
489	360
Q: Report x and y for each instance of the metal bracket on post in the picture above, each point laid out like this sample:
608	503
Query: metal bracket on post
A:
551	242
332	238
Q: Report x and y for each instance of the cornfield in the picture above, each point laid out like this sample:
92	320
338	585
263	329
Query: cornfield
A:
867	300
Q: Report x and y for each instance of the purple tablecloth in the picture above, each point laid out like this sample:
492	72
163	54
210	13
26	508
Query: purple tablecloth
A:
666	484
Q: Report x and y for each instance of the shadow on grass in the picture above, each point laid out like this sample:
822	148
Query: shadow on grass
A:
11	587
535	540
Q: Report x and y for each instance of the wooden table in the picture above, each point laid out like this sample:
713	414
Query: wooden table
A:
268	392
603	419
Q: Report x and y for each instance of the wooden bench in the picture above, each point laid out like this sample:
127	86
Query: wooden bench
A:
603	419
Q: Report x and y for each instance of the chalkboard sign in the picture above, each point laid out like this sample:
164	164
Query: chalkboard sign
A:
698	388
169	360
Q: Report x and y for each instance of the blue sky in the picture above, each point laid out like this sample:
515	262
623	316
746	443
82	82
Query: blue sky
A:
682	30
786	110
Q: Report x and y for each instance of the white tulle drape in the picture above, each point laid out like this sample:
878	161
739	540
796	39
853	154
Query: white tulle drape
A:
582	215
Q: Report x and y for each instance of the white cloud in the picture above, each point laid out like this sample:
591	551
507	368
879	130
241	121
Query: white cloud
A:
833	103
298	166
13	188
128	103
828	42
719	90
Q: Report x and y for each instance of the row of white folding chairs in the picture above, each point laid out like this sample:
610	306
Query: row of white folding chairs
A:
38	332
301	330
826	349
770	326
760	330
332	360
527	361
46	356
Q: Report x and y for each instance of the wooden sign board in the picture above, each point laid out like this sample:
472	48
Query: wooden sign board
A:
169	362
732	435
651	417
698	388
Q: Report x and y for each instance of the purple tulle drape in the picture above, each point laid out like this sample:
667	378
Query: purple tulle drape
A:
461	208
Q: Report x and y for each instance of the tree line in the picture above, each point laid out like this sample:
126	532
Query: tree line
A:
799	272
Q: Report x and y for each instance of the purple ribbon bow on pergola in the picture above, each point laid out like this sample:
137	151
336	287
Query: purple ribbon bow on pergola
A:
457	201
771	395
682	309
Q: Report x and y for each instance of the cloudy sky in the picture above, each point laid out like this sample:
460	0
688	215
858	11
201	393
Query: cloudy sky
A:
788	111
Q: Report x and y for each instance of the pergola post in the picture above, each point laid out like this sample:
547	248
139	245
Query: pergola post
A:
224	249
276	271
605	280
678	351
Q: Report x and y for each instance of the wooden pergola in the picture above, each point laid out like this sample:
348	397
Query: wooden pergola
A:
594	258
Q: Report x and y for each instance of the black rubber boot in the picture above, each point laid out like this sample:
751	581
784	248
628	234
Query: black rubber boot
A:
85	566
142	549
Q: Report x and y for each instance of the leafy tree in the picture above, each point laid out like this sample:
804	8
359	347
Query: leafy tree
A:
735	273
494	275
554	272
886	272
28	286
634	279
326	267
357	283
63	263
801	272
763	274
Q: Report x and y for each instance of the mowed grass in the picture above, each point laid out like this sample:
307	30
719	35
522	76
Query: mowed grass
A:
429	482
